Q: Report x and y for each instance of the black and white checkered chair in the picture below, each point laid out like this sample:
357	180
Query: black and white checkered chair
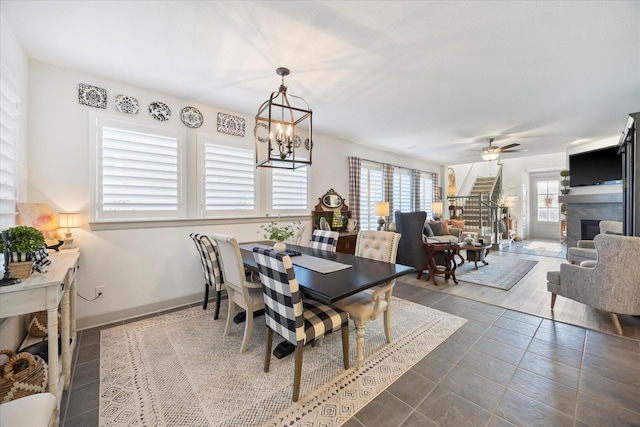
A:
368	305
210	268
324	240
296	320
243	293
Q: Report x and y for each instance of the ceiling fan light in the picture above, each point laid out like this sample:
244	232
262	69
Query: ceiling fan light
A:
490	155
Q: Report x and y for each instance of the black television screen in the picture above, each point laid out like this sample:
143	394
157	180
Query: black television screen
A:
597	167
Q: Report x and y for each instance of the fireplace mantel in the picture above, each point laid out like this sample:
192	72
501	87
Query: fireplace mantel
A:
591	198
598	206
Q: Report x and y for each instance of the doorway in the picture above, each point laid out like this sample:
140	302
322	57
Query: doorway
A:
545	209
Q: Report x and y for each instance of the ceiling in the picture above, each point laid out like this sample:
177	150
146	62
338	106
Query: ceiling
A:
432	80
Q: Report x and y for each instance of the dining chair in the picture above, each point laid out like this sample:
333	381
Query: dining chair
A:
243	293
210	268
367	305
299	321
324	240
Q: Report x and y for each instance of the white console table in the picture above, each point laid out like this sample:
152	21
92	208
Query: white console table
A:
46	291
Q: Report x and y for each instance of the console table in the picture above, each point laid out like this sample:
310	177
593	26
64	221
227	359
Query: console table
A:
46	291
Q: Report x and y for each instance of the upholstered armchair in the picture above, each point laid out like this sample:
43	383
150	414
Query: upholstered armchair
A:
611	284
411	249
585	249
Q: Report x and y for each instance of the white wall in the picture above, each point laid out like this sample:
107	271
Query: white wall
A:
143	266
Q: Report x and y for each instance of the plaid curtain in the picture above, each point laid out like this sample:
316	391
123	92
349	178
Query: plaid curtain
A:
387	190
415	180
436	184
355	166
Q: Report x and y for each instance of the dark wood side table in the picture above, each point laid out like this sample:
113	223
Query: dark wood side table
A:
347	243
447	266
476	253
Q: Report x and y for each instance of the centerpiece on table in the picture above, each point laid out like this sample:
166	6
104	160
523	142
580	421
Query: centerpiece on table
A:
27	251
273	231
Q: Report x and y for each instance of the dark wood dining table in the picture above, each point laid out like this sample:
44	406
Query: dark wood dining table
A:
363	274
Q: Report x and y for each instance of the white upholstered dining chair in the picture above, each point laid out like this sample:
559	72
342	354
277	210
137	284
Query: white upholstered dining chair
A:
247	295
368	305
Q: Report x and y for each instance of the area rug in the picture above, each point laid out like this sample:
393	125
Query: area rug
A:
178	370
501	273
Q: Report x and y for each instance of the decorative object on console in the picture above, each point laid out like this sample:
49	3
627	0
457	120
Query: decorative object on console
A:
469	240
92	96
565	181
382	210
160	111
273	231
285	120
352	225
69	220
6	278
338	220
231	125
436	207
191	117
27	251
127	104
40	216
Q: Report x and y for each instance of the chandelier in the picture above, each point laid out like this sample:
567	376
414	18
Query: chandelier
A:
283	130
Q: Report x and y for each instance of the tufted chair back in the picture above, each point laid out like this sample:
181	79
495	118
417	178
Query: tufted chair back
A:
378	245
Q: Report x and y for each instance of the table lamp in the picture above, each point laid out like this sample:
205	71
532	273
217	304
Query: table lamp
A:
382	210
437	210
69	220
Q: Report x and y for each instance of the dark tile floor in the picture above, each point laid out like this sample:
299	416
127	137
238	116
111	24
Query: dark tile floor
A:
503	368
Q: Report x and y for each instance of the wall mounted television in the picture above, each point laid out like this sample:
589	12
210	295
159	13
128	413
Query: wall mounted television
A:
597	167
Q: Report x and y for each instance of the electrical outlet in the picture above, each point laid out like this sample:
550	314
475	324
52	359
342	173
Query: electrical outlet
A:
99	291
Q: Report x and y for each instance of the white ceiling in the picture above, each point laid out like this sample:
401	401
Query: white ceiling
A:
427	79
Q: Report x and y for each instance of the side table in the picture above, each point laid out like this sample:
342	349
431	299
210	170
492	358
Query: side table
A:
448	267
476	253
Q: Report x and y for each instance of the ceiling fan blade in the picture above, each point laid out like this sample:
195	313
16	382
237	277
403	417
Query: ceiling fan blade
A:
506	147
513	151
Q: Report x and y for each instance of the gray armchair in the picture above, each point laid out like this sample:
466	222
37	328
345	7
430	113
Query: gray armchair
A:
585	249
411	249
613	282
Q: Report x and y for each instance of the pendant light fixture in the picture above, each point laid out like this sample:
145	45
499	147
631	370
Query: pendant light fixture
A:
283	130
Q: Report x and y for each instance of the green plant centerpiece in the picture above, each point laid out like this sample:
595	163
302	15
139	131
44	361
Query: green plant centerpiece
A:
279	233
565	181
24	243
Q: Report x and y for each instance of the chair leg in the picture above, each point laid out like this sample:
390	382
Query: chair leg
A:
387	324
267	349
217	312
206	296
359	343
553	300
298	372
230	313
345	345
616	323
248	327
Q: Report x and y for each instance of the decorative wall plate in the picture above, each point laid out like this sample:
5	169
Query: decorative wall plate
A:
297	141
191	117
160	111
262	132
231	125
308	144
92	96
127	104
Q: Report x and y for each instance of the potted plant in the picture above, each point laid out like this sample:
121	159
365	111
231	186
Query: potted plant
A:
565	181
273	231
24	242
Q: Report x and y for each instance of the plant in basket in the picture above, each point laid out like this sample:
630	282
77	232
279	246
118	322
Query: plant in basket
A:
27	250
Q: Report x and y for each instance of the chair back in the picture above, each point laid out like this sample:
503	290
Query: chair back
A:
282	298
210	260
411	249
610	227
324	240
231	260
378	245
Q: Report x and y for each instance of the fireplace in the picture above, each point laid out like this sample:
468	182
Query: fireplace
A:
589	228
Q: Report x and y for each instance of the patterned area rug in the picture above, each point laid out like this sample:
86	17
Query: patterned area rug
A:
501	273
178	370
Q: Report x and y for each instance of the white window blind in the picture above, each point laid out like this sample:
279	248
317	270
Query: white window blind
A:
139	173
402	199
289	189
426	191
371	192
229	175
9	128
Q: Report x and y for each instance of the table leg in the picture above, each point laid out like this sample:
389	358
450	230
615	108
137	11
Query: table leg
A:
65	344
52	334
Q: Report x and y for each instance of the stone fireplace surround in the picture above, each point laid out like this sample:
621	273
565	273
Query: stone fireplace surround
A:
589	207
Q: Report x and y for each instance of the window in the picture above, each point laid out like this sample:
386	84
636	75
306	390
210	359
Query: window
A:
426	191
138	172
548	209
289	190
229	178
9	128
371	186
402	198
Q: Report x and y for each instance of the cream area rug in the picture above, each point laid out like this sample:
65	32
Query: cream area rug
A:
501	273
178	370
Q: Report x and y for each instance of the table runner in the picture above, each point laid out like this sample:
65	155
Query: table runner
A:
309	262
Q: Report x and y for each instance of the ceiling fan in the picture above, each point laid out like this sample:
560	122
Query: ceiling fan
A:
492	152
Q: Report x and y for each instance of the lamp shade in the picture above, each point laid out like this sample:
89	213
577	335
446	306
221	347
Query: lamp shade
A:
490	155
382	208
69	220
452	190
436	207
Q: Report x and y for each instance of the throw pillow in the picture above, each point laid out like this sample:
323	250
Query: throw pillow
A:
444	225
427	231
457	224
437	228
